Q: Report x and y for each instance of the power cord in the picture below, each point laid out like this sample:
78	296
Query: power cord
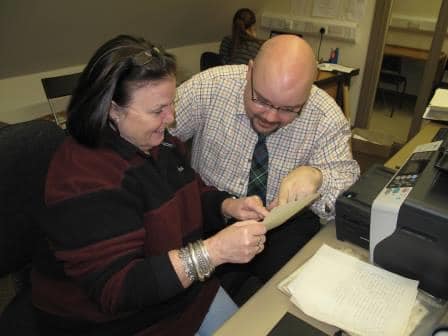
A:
321	32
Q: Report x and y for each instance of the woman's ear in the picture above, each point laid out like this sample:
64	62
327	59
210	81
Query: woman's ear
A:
252	31
115	112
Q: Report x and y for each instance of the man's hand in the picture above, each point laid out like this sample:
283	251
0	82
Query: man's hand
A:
244	208
300	182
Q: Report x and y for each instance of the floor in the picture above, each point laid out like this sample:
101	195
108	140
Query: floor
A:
389	131
398	125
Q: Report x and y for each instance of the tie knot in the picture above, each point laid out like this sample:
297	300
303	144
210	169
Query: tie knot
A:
261	138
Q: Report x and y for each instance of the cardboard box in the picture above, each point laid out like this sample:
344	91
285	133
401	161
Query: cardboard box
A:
370	147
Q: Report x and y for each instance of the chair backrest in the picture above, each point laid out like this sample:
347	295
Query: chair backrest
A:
59	86
391	63
210	59
442	66
25	152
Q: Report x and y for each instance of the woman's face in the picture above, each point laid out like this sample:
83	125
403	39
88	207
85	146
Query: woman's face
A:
149	112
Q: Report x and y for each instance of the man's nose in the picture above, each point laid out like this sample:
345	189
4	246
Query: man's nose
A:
271	115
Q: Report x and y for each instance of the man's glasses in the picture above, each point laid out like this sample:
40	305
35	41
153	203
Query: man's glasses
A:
265	104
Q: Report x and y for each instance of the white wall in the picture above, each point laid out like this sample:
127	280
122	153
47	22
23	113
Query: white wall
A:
413	38
22	97
350	54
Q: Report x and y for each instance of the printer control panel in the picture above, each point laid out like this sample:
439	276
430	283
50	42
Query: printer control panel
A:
409	173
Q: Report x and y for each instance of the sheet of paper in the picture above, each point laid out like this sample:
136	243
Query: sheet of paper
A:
334	67
281	214
433	113
354	295
440	99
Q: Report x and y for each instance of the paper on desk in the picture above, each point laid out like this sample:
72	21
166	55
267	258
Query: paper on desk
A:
282	213
334	67
354	295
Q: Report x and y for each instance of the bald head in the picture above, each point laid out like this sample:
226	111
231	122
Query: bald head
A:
287	66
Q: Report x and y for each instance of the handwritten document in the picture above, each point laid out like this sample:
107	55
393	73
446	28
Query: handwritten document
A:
282	213
353	295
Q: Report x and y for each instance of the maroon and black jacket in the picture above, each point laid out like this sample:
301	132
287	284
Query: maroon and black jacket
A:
112	215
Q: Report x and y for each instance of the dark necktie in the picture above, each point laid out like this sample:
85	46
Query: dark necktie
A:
258	176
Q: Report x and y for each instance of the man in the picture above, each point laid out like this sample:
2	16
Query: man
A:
230	110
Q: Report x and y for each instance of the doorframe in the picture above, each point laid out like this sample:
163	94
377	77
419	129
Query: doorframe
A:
429	72
380	26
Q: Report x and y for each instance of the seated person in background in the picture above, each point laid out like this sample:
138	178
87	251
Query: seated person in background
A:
126	215
229	110
243	45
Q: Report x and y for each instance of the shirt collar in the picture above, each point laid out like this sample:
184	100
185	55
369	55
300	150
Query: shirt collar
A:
125	149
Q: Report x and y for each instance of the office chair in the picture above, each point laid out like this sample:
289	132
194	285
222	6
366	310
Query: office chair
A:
57	87
391	74
441	77
25	152
210	59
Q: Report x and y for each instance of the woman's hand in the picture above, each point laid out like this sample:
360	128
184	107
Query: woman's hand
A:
237	243
244	208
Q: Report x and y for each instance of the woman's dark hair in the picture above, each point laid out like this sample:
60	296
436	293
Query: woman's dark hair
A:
243	19
117	68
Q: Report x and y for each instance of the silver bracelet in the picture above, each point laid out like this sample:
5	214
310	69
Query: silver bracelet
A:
194	257
201	260
187	262
208	265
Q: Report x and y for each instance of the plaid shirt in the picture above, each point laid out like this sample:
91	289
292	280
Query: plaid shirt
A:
210	108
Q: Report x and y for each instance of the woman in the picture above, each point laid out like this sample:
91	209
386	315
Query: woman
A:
126	214
243	45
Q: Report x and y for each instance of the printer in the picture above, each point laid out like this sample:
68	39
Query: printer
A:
354	205
407	218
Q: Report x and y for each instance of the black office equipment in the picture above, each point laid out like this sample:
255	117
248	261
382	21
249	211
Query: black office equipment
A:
418	245
442	134
291	325
353	206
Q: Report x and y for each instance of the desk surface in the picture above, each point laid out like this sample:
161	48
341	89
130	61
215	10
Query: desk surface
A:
406	52
264	309
425	135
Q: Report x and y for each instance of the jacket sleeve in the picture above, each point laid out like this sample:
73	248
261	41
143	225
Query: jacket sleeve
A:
224	49
98	239
211	207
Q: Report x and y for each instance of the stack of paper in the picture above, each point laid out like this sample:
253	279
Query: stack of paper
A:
353	295
334	67
438	106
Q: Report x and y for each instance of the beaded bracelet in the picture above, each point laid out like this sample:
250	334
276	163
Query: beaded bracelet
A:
205	264
187	262
196	261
